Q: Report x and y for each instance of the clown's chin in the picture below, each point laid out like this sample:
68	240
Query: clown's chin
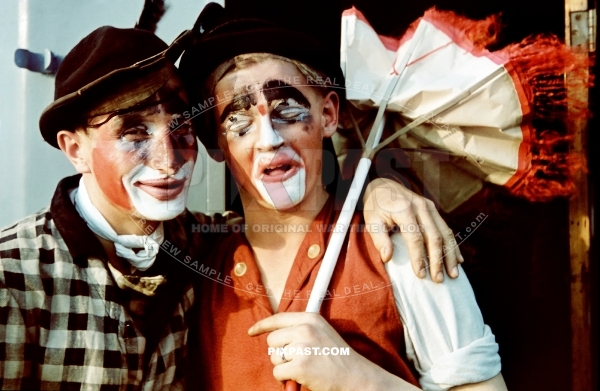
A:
154	210
283	195
155	197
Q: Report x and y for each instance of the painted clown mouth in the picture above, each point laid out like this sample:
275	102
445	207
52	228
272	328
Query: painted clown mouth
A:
162	189
280	168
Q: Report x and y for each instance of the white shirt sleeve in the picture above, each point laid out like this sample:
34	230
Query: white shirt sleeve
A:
443	328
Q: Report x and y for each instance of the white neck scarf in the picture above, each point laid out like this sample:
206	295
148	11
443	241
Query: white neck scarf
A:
124	244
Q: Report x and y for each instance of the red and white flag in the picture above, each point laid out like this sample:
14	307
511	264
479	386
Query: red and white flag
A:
507	131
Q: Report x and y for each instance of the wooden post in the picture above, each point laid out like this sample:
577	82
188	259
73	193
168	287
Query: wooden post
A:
579	215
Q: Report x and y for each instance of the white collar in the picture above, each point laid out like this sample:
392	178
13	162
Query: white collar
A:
124	244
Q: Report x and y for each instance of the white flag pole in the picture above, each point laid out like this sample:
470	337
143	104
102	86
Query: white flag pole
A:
338	236
372	146
339	232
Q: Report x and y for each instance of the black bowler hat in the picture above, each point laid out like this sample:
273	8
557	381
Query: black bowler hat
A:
110	69
226	35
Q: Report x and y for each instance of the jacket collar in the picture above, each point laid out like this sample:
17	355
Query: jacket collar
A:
80	240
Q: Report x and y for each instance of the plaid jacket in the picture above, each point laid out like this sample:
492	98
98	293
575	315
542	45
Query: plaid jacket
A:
63	323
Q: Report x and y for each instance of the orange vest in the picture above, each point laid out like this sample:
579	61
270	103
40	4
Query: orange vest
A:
360	306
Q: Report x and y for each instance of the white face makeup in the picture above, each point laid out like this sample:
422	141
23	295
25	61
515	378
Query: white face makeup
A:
280	178
274	138
154	195
142	162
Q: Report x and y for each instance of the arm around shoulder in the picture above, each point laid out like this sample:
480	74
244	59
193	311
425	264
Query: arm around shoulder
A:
445	335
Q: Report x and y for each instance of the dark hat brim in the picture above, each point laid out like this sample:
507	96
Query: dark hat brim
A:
141	82
125	86
205	56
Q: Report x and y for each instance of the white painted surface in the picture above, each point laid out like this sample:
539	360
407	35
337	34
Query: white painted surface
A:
30	168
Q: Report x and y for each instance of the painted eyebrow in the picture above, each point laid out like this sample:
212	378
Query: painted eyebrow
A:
274	89
278	89
238	102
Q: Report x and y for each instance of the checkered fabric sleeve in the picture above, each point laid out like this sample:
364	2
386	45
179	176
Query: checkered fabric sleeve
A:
62	327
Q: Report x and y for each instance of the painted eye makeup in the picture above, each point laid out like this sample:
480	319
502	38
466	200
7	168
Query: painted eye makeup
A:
289	112
287	105
238	124
138	132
